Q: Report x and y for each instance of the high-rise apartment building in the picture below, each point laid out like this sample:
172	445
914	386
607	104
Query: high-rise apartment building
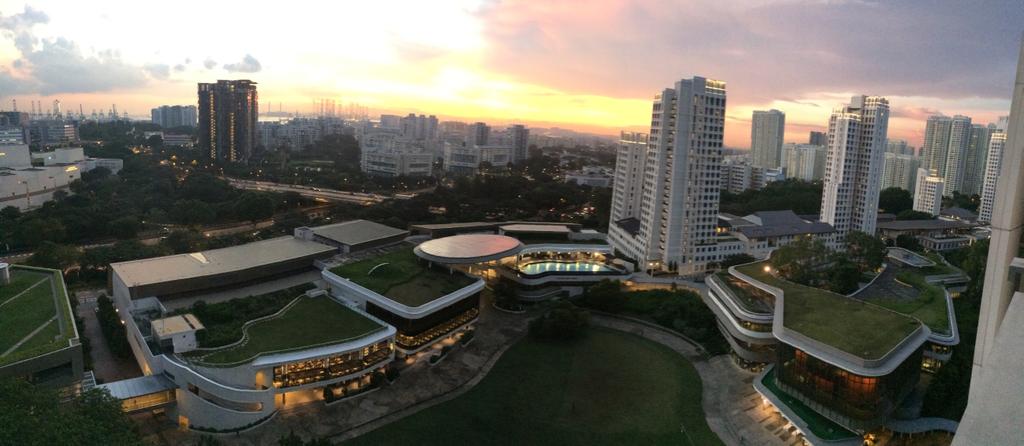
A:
956	156
679	187
993	164
977	154
853	169
767	130
419	128
629	170
899	147
519	139
900	171
945	147
818	139
228	113
928	192
478	134
996	395
804	161
170	116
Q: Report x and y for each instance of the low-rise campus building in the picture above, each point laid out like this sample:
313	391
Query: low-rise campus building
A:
383	297
39	341
837	366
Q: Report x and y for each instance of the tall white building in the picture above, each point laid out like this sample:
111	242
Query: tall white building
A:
900	171
928	192
679	187
629	169
804	161
996	396
767	130
993	164
853	170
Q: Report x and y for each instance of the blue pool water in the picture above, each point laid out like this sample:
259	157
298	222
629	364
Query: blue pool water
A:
568	267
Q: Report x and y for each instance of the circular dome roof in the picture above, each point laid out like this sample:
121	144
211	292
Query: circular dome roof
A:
468	248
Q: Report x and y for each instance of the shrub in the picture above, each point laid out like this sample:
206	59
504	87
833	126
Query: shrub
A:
392	373
377	379
466	337
113	330
563	322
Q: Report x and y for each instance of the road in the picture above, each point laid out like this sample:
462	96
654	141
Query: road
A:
152	240
309	191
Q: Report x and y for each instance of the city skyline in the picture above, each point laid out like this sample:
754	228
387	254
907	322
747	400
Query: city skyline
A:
537	64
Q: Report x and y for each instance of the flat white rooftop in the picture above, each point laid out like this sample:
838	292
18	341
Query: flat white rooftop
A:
357	231
216	261
173	325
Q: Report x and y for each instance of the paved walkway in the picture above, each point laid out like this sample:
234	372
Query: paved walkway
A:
105	365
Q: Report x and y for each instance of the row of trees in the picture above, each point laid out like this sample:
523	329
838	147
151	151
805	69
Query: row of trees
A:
947	394
679	310
112	328
801	197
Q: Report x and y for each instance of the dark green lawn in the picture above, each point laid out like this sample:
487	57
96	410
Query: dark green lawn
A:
608	388
26	313
403	278
312	321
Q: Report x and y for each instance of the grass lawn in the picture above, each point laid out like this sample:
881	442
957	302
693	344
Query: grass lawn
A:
403	279
26	313
20	281
848	324
310	322
46	336
608	388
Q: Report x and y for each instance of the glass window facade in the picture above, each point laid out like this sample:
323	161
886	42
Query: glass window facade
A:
859	402
415	333
322	369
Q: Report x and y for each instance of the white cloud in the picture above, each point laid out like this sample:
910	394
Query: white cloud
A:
248	64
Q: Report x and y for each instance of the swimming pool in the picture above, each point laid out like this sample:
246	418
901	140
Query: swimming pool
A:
548	266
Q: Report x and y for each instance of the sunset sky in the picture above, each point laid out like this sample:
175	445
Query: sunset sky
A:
588	65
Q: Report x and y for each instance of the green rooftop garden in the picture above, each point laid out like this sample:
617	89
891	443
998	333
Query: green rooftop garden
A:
35	320
403	278
752	299
309	322
853	326
929	306
819	425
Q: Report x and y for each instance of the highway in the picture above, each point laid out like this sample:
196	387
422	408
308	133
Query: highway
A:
309	191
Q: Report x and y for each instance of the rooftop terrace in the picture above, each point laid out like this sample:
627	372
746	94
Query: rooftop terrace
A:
306	323
905	290
36	314
404	278
851	325
752	299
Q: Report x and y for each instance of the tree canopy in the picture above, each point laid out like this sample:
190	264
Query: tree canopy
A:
32	415
895	200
